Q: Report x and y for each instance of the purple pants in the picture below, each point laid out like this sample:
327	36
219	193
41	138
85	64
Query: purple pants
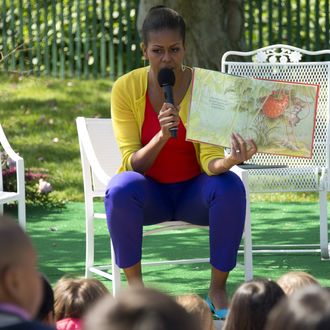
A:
133	200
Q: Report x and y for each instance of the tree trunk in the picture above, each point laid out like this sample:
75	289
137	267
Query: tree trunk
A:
213	27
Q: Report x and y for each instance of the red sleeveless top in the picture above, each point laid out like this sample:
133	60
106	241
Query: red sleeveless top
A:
177	160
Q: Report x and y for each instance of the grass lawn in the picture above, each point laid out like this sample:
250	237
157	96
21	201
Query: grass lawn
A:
38	117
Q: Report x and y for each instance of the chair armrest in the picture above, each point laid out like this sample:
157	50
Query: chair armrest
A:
20	175
242	173
99	173
7	148
97	169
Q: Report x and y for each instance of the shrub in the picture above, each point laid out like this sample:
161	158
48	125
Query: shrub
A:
38	191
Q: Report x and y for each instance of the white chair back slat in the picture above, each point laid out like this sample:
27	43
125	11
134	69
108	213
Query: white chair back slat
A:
105	148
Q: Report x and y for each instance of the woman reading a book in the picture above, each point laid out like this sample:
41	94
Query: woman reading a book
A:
164	178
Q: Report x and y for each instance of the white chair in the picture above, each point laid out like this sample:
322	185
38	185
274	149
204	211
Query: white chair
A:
100	159
287	63
18	195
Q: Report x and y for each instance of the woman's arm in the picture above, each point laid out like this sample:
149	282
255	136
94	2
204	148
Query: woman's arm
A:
124	120
241	151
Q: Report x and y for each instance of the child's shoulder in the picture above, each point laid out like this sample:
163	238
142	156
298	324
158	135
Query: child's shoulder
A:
69	324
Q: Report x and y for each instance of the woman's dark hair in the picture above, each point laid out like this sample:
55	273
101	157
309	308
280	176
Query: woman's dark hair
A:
251	304
47	304
162	18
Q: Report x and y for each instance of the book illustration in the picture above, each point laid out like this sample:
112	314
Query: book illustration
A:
278	116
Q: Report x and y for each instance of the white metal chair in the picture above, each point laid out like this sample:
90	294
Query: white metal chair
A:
18	195
100	159
287	63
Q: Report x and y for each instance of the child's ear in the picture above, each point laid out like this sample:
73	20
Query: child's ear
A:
11	282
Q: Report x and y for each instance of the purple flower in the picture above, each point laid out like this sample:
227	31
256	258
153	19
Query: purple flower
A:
8	172
30	175
11	163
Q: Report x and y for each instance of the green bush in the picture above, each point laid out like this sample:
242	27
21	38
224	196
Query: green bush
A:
38	191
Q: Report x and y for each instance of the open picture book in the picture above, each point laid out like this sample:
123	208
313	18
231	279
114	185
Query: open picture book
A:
279	116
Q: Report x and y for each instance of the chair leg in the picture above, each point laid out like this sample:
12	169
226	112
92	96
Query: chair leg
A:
248	254
324	239
22	214
1	209
116	281
89	242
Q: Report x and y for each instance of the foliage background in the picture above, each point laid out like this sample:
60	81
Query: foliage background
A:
69	37
301	23
99	38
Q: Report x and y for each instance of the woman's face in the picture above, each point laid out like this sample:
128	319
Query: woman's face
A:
165	49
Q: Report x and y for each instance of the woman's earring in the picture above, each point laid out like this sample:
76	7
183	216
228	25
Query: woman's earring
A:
183	67
145	61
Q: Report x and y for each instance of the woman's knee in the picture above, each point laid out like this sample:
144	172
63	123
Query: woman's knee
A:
235	183
123	186
227	183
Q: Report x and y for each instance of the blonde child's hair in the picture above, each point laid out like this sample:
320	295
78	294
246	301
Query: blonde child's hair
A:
74	296
292	281
198	308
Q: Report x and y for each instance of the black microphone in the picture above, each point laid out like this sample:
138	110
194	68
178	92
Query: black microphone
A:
166	79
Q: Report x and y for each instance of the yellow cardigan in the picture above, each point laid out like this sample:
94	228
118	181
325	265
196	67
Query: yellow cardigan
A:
128	101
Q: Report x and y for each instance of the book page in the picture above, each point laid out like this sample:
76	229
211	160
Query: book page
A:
278	116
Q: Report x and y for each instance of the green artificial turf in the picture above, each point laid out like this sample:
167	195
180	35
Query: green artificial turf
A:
60	240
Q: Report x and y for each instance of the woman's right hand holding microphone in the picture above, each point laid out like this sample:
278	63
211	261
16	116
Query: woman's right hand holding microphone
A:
168	117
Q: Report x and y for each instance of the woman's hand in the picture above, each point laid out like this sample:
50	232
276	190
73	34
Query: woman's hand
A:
168	117
241	151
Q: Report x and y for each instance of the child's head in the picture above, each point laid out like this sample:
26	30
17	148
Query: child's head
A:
307	308
20	282
292	281
139	309
198	308
73	296
251	304
46	313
